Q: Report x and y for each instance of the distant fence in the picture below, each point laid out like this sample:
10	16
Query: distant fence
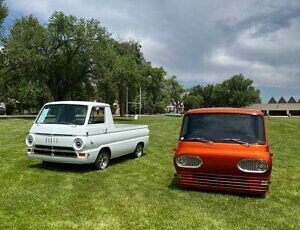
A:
18	116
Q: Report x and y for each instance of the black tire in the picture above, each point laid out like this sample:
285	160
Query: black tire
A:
45	163
102	160
139	150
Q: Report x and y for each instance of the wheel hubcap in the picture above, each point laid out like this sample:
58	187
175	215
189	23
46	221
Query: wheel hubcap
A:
139	151
103	160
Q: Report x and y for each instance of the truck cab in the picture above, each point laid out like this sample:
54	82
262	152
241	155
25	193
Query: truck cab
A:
82	133
223	149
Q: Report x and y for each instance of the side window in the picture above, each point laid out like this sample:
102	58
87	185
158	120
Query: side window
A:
97	115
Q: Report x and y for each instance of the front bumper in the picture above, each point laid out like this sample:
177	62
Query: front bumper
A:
224	183
90	157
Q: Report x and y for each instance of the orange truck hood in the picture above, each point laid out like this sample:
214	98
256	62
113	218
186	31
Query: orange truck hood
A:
223	157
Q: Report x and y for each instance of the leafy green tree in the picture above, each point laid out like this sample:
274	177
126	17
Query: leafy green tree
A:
127	72
153	85
193	98
3	12
21	65
193	102
237	91
70	58
201	96
69	44
208	94
104	57
175	91
56	57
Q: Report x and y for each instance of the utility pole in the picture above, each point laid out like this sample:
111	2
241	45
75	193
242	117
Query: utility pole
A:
140	104
127	101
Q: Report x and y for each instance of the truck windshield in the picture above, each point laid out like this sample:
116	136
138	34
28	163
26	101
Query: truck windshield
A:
233	128
66	114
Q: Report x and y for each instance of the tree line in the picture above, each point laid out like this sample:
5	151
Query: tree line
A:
72	58
236	91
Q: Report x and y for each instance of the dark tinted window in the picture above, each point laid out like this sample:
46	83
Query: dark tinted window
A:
217	127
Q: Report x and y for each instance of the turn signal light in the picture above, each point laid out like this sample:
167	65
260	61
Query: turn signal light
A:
82	154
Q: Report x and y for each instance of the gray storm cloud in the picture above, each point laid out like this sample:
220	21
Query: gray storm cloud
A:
200	41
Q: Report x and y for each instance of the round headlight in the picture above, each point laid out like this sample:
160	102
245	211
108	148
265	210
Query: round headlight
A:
78	143
188	161
261	165
253	165
181	161
29	140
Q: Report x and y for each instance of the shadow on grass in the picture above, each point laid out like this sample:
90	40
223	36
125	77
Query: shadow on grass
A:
62	167
174	186
119	160
79	168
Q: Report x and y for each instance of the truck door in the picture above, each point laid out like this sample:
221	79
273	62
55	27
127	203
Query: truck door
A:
96	123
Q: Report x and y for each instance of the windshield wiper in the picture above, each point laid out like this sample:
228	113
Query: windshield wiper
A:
235	140
200	139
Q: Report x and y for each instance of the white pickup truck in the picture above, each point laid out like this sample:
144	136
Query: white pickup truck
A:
82	133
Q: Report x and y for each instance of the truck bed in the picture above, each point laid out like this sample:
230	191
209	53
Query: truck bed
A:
127	127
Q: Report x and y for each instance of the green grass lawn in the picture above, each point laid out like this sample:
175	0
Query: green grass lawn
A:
141	193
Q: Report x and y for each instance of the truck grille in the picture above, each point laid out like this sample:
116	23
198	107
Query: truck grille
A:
57	151
228	182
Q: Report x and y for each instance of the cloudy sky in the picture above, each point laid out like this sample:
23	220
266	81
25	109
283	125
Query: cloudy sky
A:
200	42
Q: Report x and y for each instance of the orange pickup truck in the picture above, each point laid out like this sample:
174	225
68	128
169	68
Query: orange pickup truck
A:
223	149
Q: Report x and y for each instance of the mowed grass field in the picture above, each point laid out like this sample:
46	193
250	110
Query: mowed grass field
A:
141	193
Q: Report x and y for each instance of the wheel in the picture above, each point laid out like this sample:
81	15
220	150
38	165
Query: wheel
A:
102	160
45	163
139	150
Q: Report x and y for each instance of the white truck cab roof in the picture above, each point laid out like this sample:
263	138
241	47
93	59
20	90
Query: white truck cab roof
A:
88	103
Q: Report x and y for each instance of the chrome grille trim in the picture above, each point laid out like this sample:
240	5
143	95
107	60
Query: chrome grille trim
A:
203	180
57	151
54	150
